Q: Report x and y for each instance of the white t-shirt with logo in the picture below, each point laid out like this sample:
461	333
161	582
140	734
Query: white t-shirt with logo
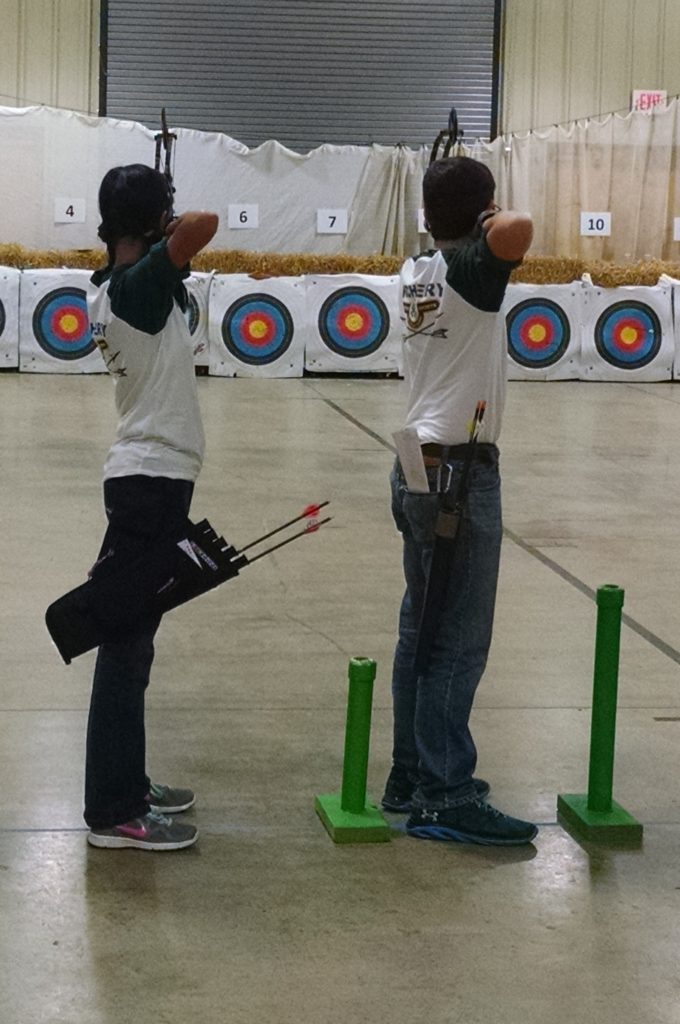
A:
455	350
138	323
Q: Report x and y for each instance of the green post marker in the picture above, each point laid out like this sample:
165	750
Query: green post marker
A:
347	816
596	815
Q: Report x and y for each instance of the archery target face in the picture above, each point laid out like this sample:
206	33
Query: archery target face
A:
354	322
628	335
61	324
192	314
257	329
538	333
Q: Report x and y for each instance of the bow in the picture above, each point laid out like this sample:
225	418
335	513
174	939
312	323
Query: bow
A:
450	137
164	141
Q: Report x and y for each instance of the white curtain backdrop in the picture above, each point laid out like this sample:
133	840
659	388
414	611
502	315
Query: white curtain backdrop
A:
627	166
50	157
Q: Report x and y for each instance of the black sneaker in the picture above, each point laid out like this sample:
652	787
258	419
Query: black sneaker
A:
474	822
399	792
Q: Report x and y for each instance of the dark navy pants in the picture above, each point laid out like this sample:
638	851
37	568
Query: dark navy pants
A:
140	510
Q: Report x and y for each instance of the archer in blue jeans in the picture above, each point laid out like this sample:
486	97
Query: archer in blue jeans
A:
455	361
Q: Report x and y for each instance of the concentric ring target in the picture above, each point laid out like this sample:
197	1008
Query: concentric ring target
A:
193	314
354	322
538	333
628	335
61	324
257	329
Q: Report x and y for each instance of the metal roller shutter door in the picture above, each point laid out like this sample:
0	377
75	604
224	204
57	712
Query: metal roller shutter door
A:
304	72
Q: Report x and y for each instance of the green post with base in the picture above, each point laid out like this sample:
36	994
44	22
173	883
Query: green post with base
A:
346	815
596	815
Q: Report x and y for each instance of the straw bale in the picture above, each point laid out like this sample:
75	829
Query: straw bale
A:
539	270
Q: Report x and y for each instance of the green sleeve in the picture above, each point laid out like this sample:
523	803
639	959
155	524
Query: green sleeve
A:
142	293
477	275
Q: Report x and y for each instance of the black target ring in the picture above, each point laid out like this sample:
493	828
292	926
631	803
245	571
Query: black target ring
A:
354	322
538	333
192	314
61	324
628	335
257	329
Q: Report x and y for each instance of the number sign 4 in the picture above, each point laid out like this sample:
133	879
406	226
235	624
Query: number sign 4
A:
69	211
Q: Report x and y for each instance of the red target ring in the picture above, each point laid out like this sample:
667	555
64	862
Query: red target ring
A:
61	324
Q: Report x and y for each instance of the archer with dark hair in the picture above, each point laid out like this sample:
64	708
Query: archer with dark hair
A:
473	186
136	305
454	364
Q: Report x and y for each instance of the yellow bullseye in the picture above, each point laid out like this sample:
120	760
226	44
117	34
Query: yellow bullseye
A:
69	323
628	336
257	329
354	322
537	333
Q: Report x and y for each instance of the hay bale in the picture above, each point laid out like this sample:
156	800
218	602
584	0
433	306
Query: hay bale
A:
539	270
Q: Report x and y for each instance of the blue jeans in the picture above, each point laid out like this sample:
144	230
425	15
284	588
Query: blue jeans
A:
433	746
140	510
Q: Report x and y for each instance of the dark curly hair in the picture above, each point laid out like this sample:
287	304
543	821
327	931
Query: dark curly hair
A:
455	191
132	200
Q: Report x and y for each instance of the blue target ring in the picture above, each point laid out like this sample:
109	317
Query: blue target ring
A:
61	324
538	333
628	335
257	329
354	322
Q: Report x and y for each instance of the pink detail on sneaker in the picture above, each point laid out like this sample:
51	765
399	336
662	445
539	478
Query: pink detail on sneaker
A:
134	831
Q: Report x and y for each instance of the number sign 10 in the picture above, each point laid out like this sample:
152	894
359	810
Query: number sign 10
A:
599	224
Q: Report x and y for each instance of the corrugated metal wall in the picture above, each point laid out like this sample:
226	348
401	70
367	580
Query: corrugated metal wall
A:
50	53
561	59
304	72
568	59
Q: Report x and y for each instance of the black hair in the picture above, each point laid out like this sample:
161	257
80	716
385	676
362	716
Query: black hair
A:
455	191
132	200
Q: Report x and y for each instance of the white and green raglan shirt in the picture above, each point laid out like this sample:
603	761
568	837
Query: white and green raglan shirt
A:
455	350
137	320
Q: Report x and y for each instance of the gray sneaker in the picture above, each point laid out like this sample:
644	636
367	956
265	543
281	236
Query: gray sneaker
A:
150	832
166	800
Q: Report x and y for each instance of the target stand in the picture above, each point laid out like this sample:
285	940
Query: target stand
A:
354	324
9	317
256	328
543	331
54	324
627	333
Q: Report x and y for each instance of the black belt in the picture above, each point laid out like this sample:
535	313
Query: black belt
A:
484	452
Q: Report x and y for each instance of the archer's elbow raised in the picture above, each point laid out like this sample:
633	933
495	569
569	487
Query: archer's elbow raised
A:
210	224
510	235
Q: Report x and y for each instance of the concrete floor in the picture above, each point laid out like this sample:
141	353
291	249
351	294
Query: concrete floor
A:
265	919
